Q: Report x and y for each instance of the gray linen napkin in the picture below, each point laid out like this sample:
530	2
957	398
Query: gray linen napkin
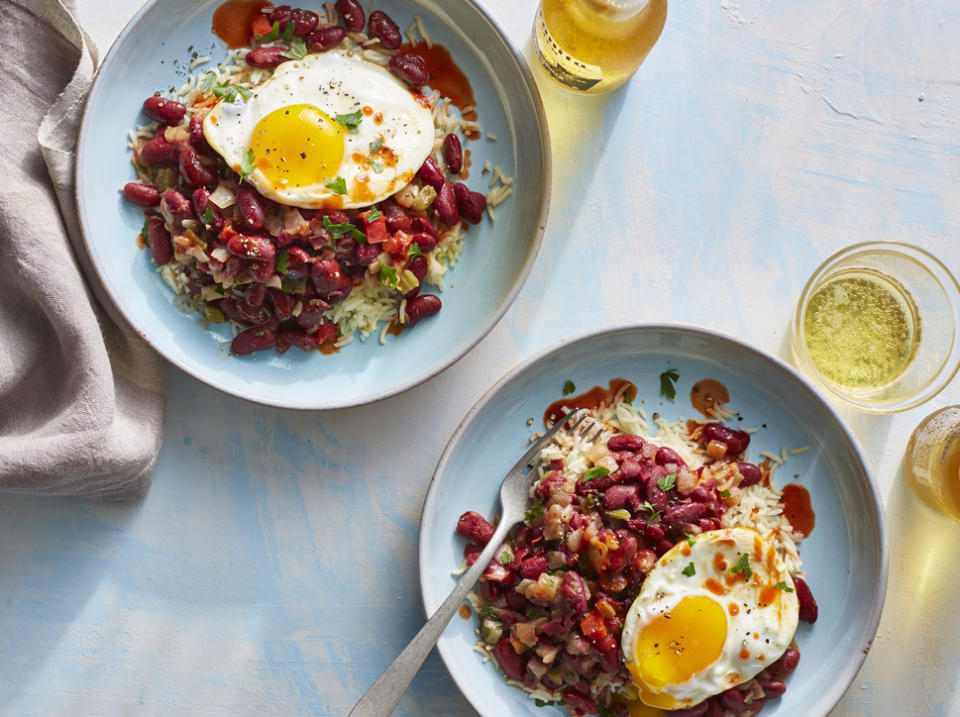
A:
81	396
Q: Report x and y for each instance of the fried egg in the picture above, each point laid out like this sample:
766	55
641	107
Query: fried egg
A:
709	616
329	131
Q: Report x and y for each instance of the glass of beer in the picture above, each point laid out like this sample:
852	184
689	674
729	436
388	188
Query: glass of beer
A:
594	46
933	461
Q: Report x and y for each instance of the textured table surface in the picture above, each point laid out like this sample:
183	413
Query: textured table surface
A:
272	568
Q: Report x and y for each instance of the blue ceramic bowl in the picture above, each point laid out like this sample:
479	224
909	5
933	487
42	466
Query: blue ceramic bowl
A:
845	558
149	54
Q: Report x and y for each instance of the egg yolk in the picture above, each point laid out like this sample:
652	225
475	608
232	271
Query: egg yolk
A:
675	646
297	146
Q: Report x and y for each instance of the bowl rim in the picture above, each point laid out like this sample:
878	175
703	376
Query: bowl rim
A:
117	306
937	270
837	689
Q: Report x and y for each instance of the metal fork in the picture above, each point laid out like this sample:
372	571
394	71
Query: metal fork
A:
382	697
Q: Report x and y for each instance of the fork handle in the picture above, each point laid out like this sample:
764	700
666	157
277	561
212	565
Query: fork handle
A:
384	694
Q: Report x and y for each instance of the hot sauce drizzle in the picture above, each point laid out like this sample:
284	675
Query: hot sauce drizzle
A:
231	20
797	508
445	76
591	399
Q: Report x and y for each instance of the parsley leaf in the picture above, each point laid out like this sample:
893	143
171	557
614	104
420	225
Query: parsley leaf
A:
338	185
373	215
248	164
208	215
340	230
743	567
783	586
533	612
283	262
298	49
569	388
351	121
689	571
229	92
653	511
272	35
724	494
536	511
543	703
376	166
206	83
506	555
288	31
668	380
691	538
375	144
667	482
388	275
626	398
414	250
595	472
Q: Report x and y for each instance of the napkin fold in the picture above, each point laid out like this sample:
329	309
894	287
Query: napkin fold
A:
81	395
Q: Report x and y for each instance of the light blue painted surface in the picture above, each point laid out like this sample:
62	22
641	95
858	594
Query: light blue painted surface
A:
272	568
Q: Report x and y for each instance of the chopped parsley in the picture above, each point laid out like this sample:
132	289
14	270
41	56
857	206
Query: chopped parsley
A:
339	230
595	472
298	48
376	166
626	398
783	586
667	482
248	164
388	275
337	185
274	34
376	145
653	511
569	387
288	31
283	262
533	612
689	571
229	92
536	511
724	494
743	567
414	250
351	121
691	538
668	380
506	555
373	215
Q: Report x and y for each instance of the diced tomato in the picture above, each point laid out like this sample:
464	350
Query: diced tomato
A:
397	244
376	231
261	25
592	627
605	644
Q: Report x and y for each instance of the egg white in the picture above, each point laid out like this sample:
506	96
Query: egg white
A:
756	635
339	84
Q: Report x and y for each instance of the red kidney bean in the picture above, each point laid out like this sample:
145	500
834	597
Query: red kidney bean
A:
574	591
299	338
164	110
510	662
329	281
625	442
140	194
786	664
668	455
298	262
366	254
533	566
264	270
251	246
695	711
352	14
656	497
644	560
619	496
706	524
426	242
193	170
325	37
685	513
772	688
254	295
178	205
579	701
304	21
809	611
251	208
397	218
446	205
158	239
734	700
282	15
714	709
662	546
475	528
159	151
621	557
736	441
283	304
311	315
515	601
197	138
629	470
386	29
418	266
201	203
453	153
654	532
429	173
470	204
751	474
410	68
252	340
422	307
420	225
267	57
702	495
